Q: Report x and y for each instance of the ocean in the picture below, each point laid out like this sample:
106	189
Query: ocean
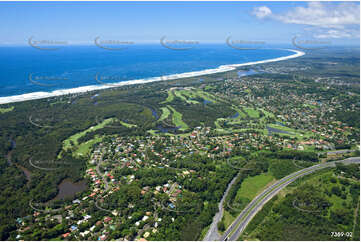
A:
26	69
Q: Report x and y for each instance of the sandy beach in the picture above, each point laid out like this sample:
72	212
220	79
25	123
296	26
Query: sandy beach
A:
220	69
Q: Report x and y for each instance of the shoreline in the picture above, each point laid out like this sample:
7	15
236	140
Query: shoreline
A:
84	89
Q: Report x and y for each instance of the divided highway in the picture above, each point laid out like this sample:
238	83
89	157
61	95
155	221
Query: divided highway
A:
235	230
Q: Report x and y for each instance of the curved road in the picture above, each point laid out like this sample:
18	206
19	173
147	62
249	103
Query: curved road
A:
103	178
212	234
235	230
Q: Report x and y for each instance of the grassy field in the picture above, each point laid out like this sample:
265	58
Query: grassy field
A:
165	113
74	138
84	148
169	98
5	110
127	125
152	131
206	96
321	182
186	96
252	113
268	114
239	118
177	119
227	218
251	186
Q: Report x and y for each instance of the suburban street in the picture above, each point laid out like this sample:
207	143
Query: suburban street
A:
236	228
106	183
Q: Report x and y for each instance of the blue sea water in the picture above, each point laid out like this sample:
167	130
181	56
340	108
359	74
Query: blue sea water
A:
26	69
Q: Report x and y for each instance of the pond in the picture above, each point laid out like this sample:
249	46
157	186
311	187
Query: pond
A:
235	116
167	129
154	113
205	102
67	188
274	130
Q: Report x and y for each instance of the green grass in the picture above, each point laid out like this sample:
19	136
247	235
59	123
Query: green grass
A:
251	186
291	132
320	180
206	96
170	97
177	119
249	189
268	114
310	106
165	113
84	148
152	131
227	218
252	113
127	125
74	138
179	95
208	87
5	110
204	232
188	94
239	118
218	126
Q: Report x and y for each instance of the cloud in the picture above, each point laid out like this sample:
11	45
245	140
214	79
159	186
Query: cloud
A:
261	12
336	20
318	14
336	34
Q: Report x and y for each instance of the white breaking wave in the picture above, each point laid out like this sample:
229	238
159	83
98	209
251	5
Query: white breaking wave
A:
222	68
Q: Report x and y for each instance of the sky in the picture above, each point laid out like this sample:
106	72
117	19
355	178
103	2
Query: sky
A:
206	22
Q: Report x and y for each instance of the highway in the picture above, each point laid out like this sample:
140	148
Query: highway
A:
235	230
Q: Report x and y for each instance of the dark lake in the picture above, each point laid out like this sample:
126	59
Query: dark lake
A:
67	188
273	130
